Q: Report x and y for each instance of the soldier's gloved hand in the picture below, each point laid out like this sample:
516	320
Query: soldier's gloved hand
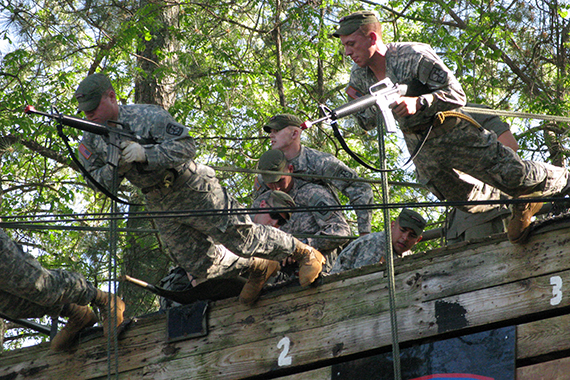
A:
132	152
124	167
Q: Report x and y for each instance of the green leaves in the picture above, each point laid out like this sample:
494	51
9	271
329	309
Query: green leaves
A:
225	68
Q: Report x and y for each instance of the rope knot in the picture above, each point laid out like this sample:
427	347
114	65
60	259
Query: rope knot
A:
439	118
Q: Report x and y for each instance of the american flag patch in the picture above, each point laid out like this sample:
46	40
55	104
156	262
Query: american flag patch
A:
84	151
353	93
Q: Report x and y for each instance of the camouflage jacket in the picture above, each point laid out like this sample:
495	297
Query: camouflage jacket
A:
417	66
311	161
173	148
320	222
366	250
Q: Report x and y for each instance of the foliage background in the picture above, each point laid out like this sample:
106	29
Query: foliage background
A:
223	68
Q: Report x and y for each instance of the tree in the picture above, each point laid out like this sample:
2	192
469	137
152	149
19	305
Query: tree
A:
223	68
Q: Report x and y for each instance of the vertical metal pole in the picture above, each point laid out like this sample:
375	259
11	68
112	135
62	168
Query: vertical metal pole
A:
112	265
389	251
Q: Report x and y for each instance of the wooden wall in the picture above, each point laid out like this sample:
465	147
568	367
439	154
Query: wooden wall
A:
299	333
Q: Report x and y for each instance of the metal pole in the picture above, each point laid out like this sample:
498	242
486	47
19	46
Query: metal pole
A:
389	251
112	339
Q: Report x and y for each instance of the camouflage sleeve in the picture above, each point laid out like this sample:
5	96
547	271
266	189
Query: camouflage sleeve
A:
418	66
359	84
489	122
93	156
358	193
365	250
174	145
259	187
330	223
445	91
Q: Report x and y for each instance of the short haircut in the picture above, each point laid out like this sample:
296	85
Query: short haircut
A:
366	29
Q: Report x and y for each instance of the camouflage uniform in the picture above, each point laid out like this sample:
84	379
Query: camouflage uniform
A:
462	226
311	161
462	150
331	223
28	290
366	250
173	182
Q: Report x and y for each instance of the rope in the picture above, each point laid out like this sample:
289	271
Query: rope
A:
441	116
299	175
522	115
389	253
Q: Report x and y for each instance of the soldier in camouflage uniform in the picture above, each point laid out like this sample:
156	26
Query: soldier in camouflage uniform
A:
28	290
306	194
285	134
406	231
171	181
179	280
455	147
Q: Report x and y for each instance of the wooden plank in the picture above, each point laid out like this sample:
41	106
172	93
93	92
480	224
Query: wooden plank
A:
553	370
317	374
356	334
543	337
450	290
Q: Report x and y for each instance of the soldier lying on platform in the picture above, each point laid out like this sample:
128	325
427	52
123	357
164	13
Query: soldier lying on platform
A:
28	290
406	231
179	280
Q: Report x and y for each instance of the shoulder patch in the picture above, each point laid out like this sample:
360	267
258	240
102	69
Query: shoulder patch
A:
84	151
174	130
438	75
343	173
322	206
353	92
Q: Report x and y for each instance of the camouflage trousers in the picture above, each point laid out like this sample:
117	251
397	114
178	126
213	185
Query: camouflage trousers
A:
468	164
192	238
28	290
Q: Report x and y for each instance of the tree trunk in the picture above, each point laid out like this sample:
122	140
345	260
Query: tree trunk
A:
154	85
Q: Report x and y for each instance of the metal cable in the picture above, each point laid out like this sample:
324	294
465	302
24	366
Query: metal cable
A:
85	217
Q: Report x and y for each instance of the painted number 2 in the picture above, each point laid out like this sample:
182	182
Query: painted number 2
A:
556	282
284	359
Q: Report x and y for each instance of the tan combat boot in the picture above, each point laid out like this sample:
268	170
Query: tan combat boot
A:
259	272
310	262
518	228
102	301
79	317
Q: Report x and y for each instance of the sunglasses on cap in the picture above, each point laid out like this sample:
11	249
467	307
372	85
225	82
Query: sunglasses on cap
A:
278	217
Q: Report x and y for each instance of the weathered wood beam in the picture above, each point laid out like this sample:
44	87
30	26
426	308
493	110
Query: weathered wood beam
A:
452	291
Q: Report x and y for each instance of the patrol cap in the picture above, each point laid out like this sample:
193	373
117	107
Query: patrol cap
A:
273	160
91	90
411	219
279	122
350	24
279	199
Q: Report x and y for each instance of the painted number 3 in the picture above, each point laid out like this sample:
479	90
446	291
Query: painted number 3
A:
284	358
556	282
